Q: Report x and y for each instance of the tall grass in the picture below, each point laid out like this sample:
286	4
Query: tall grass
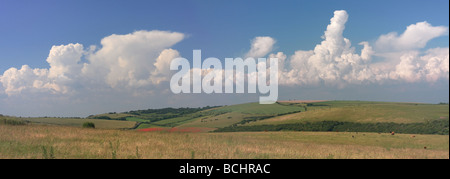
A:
34	141
114	149
48	152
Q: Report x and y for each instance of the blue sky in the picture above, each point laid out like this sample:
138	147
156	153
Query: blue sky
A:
29	29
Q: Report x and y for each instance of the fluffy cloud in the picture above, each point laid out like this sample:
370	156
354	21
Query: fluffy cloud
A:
416	36
130	61
404	59
162	65
437	64
408	69
260	47
334	61
17	80
141	60
63	71
64	61
429	67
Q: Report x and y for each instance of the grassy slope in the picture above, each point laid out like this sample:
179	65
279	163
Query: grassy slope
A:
176	121
261	109
228	115
365	112
113	115
350	111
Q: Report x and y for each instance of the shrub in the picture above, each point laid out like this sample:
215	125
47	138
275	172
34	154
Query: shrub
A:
102	117
89	125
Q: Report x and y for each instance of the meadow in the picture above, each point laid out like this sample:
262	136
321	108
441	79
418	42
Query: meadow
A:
63	142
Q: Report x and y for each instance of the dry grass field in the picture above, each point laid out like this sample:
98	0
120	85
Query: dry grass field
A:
61	142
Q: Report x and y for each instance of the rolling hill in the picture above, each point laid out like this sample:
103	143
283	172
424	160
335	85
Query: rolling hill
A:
363	116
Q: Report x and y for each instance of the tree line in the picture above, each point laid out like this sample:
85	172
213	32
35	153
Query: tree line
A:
431	127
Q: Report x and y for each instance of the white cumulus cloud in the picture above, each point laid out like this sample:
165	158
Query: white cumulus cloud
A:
429	67
335	62
135	60
416	36
128	60
162	70
260	47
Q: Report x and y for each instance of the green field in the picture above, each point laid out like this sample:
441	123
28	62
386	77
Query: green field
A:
76	122
229	115
260	109
350	129
364	112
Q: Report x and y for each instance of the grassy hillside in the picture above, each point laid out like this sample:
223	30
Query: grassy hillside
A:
298	115
288	115
241	113
41	141
164	117
260	109
356	116
364	112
